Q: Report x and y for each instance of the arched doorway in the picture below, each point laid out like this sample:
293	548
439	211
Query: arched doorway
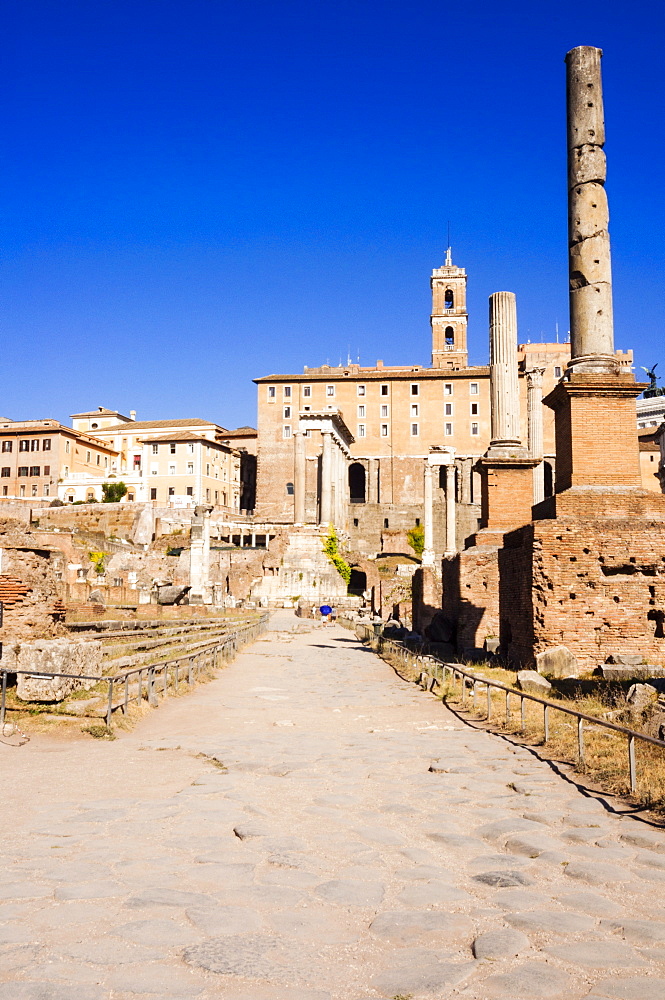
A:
357	483
357	583
548	479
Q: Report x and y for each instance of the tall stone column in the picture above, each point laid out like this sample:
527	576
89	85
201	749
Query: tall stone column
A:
299	477
504	387
326	514
451	510
589	263
534	406
372	485
428	527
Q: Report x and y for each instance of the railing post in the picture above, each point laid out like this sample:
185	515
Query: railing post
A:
507	707
474	694
546	723
463	679
523	713
489	702
166	677
189	671
126	704
580	742
140	694
4	701
632	768
109	706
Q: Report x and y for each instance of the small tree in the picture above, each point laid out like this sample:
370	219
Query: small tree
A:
332	551
416	539
113	492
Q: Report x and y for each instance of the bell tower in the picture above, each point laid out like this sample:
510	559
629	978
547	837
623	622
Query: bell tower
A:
449	316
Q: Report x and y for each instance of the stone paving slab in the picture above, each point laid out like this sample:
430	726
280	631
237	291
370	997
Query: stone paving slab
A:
357	841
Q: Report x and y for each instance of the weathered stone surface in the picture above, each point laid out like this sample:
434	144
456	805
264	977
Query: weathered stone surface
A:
617	672
236	956
643	836
597	954
163	932
551	921
531	845
533	683
503	943
51	991
638	988
57	656
501	880
417	971
557	661
409	927
528	981
432	894
351	893
637	931
596	874
627	659
641	696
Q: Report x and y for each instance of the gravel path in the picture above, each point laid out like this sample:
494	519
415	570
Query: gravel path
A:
359	841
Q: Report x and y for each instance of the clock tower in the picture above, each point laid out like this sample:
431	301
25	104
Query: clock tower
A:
449	316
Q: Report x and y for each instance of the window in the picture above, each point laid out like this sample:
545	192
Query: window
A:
449	299
154	468
33	489
106	461
448	430
473	389
417	522
287	392
67	447
94	426
307	408
87	456
272	392
557	371
6	445
414	430
361	432
34	470
190	447
355	522
286	431
190	468
207	469
330	390
287	412
289	489
23	470
384	390
450	337
21	491
155	449
153	493
5	472
386	522
99	459
47	470
384	409
46	444
34	445
415	388
474	429
474	409
361	390
190	491
4	491
361	410
171	470
208	495
448	407
171	491
216	496
414	409
66	471
307	391
47	490
172	448
447	388
384	430
24	446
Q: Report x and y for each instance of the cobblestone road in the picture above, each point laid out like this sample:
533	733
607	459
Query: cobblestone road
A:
326	860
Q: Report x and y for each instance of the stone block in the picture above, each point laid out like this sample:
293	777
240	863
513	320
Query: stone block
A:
533	683
641	696
557	661
75	657
628	659
620	672
491	644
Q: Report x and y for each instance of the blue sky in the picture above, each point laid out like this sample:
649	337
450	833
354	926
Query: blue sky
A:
199	192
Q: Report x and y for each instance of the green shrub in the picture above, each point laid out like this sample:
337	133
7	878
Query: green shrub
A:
331	549
416	539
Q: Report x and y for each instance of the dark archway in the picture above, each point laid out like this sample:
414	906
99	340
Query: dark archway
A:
449	299
357	483
548	479
450	336
357	583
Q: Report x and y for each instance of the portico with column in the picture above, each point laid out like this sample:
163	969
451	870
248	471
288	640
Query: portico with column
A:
332	473
534	404
439	458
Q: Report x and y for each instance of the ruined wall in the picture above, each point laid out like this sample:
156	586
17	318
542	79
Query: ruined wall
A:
29	588
599	587
471	594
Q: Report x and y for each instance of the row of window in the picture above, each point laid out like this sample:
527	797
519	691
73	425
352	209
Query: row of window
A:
384	430
31	444
448	390
34	472
33	492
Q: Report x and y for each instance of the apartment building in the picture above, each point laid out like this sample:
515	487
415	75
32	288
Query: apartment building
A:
35	455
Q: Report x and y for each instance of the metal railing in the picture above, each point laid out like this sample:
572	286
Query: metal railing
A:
153	678
443	671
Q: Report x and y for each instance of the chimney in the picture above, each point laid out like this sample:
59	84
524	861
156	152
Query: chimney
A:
132	414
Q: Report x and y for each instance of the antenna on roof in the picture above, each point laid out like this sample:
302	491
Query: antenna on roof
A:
556	327
449	252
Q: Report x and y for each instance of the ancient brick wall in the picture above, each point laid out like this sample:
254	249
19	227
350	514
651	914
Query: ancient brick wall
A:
471	594
29	586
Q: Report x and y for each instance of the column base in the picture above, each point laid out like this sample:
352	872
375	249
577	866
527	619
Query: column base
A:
507	491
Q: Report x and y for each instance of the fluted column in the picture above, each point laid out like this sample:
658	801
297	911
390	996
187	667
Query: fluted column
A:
504	388
299	477
326	479
589	263
428	527
534	407
451	532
